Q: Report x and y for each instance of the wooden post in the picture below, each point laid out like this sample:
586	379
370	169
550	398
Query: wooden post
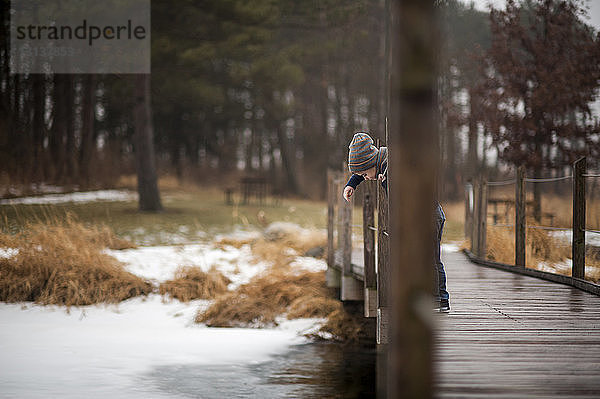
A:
413	158
579	168
475	220
351	289
383	265
370	280
482	228
520	222
469	210
332	276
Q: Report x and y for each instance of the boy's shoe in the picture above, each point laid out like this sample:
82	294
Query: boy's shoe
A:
443	306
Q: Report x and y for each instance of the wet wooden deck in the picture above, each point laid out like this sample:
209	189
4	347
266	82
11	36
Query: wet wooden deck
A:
514	336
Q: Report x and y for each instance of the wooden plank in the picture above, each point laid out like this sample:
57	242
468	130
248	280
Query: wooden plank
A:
383	321
383	267
369	235
352	289
578	247
514	336
330	217
520	227
370	277
583	285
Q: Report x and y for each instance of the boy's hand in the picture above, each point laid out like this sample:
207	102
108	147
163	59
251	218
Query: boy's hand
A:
348	191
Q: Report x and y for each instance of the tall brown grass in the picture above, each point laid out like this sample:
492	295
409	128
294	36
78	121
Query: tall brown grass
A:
61	262
281	291
267	296
541	249
192	283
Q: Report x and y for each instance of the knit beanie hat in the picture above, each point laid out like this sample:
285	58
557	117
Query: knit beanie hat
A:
363	154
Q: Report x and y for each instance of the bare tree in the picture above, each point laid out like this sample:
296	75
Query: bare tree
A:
144	146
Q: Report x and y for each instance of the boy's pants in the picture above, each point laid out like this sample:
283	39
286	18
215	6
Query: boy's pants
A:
440	291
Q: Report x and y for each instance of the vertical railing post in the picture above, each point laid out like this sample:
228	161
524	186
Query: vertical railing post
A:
468	210
370	279
482	228
475	221
351	289
332	275
383	266
520	222
579	168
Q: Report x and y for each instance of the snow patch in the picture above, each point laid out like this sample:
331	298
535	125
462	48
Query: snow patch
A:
47	352
567	237
159	263
6	253
309	263
451	247
84	196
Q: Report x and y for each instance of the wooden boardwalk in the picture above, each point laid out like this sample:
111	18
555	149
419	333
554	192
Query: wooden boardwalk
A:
514	336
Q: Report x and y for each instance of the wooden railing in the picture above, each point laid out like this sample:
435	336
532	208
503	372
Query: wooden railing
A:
476	217
374	271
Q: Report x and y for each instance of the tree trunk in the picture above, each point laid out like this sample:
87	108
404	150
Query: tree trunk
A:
292	182
472	158
70	146
86	149
149	197
38	126
59	126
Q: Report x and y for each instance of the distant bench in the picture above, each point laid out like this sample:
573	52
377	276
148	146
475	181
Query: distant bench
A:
250	187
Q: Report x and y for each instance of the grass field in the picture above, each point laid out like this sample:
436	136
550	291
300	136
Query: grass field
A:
190	213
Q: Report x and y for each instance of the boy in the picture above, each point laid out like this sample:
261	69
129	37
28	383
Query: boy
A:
366	162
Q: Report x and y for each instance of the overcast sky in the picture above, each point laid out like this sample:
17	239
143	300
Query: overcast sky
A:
593	9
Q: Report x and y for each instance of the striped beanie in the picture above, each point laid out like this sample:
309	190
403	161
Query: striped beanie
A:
362	154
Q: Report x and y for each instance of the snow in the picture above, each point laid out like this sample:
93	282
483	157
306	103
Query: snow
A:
99	351
159	263
567	236
308	263
563	267
84	196
8	252
110	350
450	247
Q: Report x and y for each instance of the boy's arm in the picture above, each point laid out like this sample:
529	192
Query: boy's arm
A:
354	181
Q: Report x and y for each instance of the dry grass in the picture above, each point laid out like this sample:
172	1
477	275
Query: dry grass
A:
61	262
341	326
280	249
281	291
541	249
165	183
312	306
455	211
259	302
192	283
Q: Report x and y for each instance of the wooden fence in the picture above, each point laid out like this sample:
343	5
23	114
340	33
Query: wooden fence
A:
476	219
366	279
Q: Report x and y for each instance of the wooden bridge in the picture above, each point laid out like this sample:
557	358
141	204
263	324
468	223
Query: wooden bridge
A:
508	335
